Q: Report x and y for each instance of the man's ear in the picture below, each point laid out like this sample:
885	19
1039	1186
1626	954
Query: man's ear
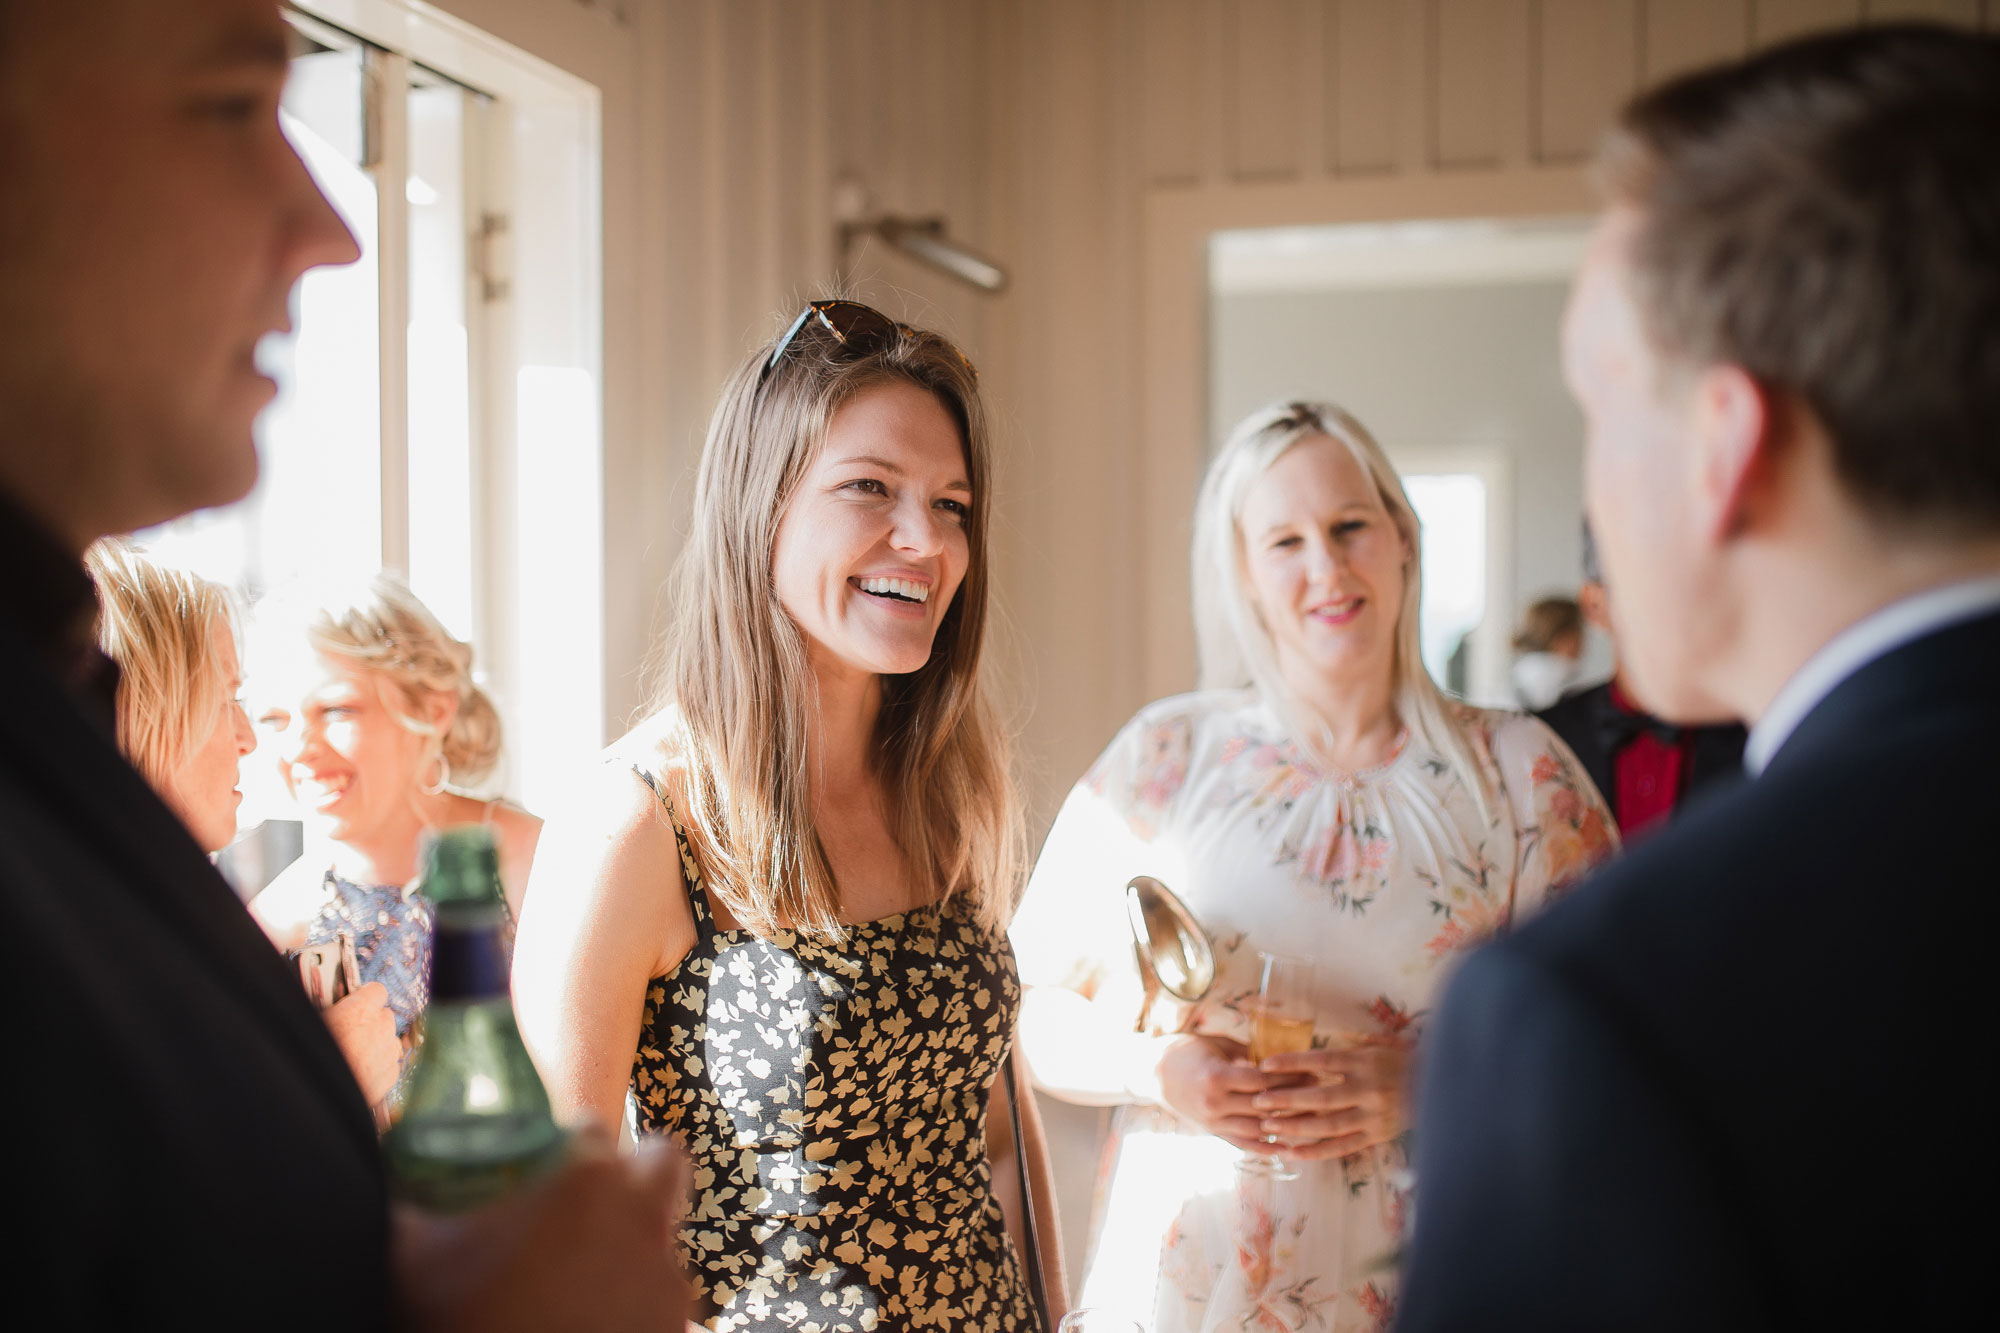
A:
1736	420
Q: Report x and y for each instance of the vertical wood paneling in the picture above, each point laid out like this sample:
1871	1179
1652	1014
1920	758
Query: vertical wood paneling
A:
1416	88
748	89
1467	82
1265	144
813	128
1516	98
1075	471
1308	58
1682	36
713	277
1588	63
774	179
1364	64
1779	20
1964	12
1173	85
800	200
848	109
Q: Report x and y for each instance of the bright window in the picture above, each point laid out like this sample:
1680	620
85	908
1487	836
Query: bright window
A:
438	410
1452	510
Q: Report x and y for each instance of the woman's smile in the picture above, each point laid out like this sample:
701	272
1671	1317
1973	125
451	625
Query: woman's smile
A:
904	597
1341	611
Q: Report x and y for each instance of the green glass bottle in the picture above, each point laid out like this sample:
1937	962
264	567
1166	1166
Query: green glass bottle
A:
475	1121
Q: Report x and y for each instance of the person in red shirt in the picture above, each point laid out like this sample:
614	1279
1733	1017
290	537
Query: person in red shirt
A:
1644	767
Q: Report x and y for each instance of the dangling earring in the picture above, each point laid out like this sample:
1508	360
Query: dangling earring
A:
443	777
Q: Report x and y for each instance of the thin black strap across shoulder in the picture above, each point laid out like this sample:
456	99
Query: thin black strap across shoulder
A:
697	898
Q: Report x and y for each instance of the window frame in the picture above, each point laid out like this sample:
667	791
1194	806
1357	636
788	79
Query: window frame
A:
534	328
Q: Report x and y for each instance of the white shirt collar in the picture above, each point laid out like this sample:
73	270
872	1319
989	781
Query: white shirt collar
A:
1855	647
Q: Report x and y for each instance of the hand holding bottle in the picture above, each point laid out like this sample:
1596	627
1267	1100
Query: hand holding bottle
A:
505	1221
590	1246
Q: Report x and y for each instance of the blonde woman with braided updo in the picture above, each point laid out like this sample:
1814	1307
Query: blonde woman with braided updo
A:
379	734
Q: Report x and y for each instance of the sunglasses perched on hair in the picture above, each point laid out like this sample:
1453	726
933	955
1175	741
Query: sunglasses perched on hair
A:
859	329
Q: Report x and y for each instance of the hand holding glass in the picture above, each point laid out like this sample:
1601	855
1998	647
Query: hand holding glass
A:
1281	1021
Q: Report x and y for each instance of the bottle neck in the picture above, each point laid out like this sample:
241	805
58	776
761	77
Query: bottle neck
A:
468	954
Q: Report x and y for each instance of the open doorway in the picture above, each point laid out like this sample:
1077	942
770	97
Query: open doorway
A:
1441	337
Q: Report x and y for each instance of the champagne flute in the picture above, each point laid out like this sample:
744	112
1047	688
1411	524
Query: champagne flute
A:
1281	1021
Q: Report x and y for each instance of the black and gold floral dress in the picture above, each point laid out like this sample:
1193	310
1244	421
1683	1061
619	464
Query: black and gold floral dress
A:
832	1099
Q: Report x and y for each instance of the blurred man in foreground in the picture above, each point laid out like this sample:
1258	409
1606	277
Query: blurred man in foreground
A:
188	1141
1723	1086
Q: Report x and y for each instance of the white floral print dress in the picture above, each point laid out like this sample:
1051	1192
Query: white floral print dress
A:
1384	878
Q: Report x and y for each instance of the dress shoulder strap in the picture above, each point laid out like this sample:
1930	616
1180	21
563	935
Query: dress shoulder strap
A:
690	868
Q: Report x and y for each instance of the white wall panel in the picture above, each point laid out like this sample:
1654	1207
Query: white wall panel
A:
1779	20
1465	81
1366	69
1943	11
1268	95
1680	34
1588	64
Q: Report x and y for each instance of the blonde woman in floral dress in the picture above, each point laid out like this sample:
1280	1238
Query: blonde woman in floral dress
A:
1324	799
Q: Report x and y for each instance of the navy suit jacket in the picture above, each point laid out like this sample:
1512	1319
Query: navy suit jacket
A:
185	1145
1730	1083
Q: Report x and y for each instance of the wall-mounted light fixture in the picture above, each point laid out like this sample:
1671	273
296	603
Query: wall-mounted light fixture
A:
922	239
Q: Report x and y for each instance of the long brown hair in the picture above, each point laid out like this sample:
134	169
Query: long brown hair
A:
735	694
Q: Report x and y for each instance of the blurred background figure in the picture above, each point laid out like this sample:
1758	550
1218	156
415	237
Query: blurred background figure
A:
1644	767
182	725
377	729
1322	798
1550	644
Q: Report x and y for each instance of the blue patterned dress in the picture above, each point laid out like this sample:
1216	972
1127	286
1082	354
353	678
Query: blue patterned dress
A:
391	928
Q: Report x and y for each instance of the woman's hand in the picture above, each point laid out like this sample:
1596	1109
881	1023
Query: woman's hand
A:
1352	1100
1210	1082
364	1027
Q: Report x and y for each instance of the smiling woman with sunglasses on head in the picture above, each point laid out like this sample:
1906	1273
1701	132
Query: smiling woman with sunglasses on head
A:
777	915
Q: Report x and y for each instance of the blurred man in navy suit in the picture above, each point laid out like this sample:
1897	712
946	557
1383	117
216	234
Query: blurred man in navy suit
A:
1725	1084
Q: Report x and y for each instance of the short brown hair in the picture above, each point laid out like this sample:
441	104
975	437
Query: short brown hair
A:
1546	620
1826	215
